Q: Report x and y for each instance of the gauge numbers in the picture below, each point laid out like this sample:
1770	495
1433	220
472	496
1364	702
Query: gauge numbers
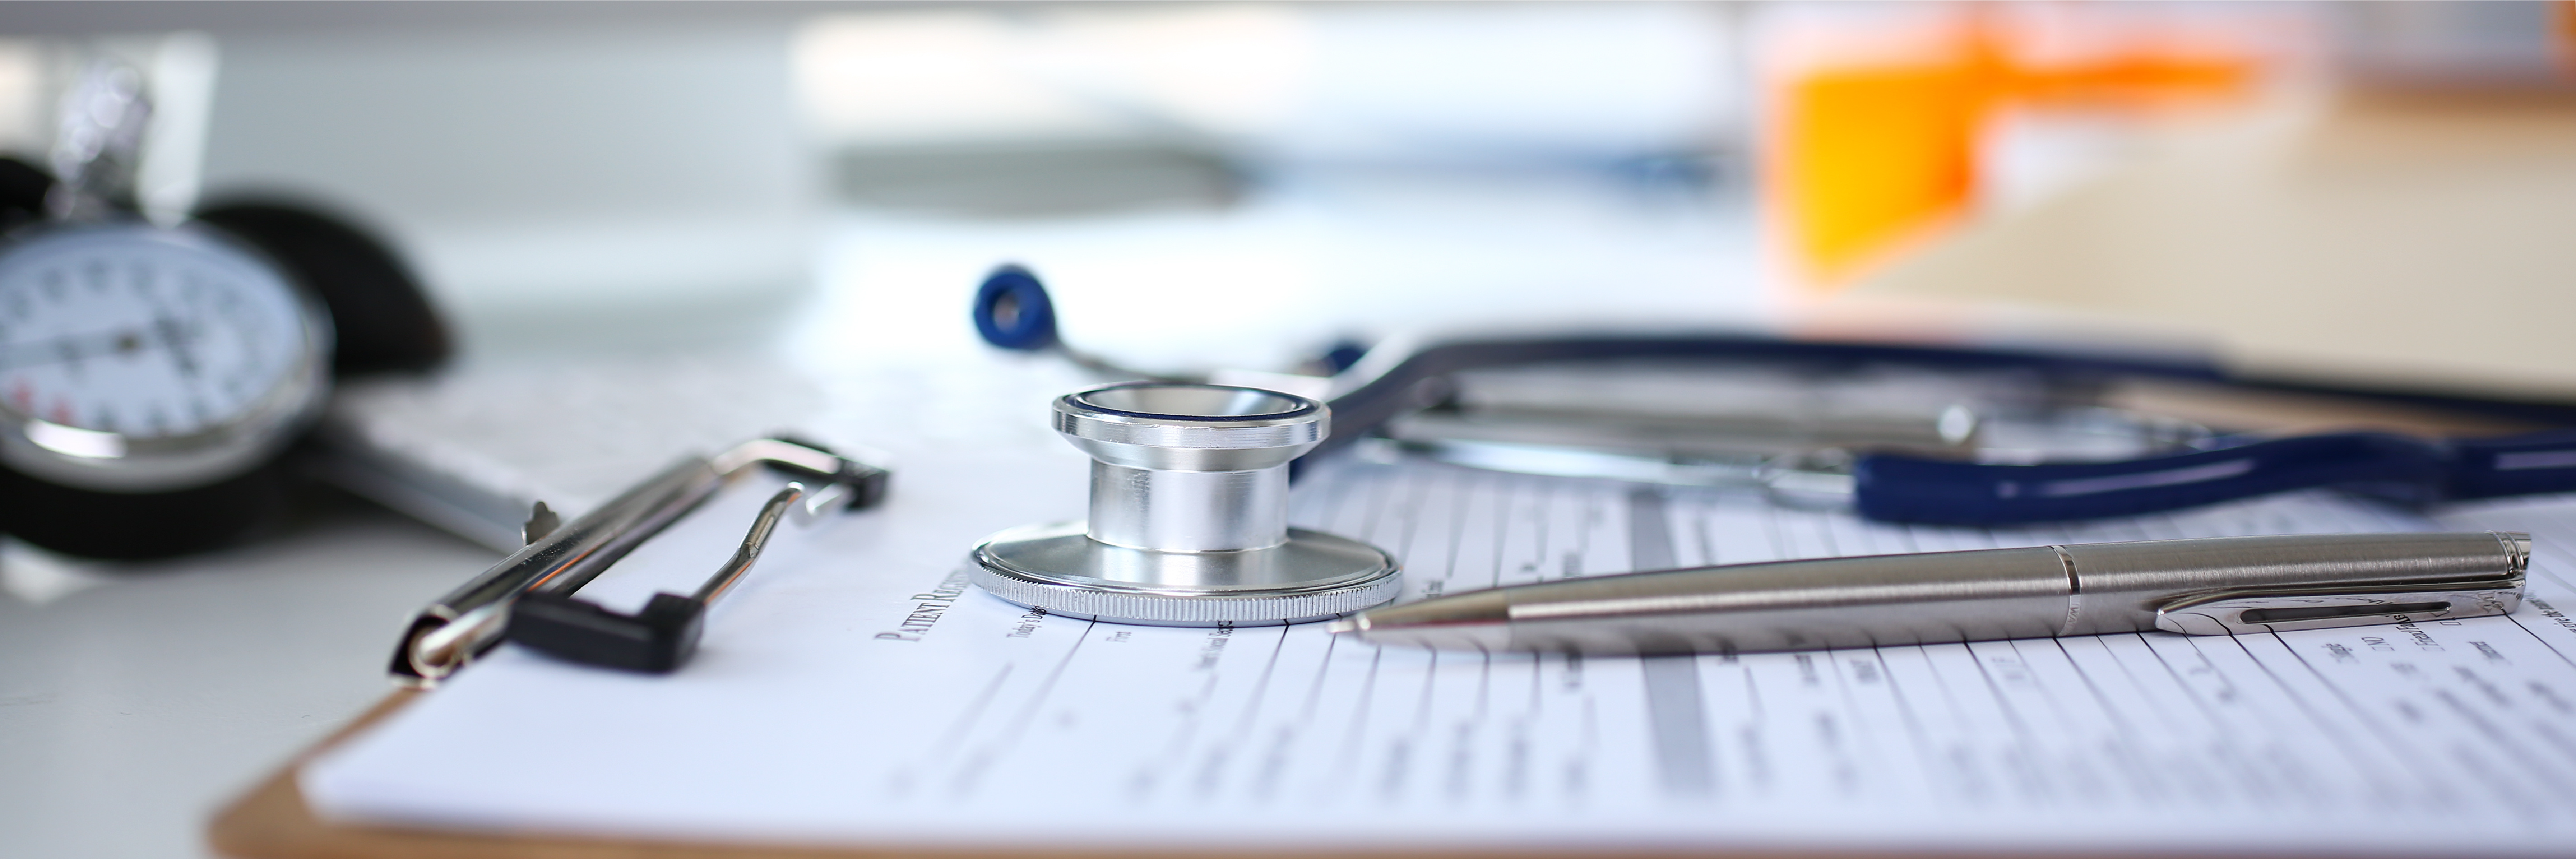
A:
145	333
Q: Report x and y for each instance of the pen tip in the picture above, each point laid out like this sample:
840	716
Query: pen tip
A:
1348	624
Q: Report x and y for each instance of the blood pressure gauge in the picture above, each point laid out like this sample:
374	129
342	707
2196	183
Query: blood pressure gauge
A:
138	359
153	377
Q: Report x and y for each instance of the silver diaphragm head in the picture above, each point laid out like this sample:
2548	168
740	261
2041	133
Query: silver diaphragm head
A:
1189	516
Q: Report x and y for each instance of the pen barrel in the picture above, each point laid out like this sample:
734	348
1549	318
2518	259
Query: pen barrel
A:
1939	597
1790	605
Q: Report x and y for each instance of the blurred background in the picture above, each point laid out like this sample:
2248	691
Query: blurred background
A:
1239	184
1177	172
2367	194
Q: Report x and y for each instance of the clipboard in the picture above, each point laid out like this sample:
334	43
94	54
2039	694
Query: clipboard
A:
272	821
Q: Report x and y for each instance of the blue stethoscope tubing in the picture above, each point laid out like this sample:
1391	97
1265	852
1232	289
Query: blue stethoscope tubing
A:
1898	488
2403	468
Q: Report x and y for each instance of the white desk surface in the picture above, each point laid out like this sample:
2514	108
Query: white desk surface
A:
136	699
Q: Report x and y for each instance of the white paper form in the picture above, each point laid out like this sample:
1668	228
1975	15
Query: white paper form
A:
854	690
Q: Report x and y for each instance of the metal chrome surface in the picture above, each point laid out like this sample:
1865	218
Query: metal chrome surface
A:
1808	465
2235	612
1310	576
1189	467
1987	594
1189	516
779	506
98	142
457	627
2126	585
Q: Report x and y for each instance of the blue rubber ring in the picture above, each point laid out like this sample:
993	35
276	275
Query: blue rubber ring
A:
1012	310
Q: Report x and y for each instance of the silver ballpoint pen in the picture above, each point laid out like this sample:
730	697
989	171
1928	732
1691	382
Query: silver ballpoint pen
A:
2213	586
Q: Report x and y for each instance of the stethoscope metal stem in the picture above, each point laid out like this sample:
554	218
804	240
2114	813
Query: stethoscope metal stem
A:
1189	511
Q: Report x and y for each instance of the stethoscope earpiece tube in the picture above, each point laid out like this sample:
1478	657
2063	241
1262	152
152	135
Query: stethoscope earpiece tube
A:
1894	488
2512	465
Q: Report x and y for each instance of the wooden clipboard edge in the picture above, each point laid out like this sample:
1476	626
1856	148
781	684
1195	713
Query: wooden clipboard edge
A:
271	821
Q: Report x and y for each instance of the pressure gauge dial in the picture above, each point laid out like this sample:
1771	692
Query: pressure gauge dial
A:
137	359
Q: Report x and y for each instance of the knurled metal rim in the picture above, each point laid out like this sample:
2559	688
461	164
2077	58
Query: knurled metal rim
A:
1177	608
1167	610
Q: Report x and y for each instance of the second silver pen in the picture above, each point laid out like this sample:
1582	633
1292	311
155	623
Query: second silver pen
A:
2203	586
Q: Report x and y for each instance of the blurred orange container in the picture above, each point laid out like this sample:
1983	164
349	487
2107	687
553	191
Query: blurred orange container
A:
1876	120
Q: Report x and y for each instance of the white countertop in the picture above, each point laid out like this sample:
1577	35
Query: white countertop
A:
137	699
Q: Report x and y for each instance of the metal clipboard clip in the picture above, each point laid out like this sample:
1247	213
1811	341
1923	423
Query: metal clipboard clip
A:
455	629
2281	609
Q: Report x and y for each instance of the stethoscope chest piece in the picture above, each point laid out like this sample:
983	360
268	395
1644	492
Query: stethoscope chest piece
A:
1189	517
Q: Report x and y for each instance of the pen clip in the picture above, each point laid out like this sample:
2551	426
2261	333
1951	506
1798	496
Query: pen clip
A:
2257	610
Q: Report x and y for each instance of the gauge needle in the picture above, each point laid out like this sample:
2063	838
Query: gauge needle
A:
79	346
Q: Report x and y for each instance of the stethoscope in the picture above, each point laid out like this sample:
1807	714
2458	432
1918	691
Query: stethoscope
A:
1013	311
